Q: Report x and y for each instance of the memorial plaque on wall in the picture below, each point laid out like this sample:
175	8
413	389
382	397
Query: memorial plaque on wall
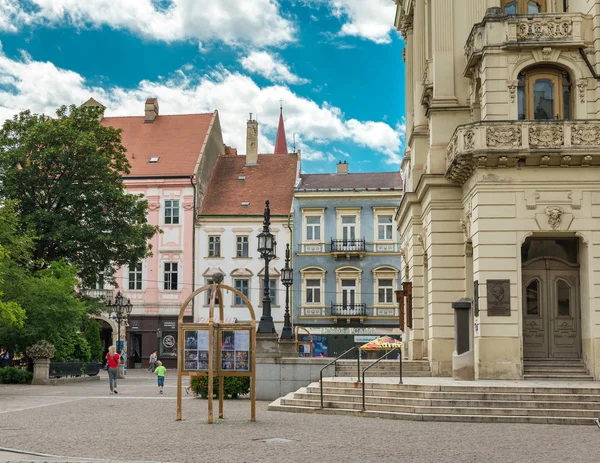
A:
498	298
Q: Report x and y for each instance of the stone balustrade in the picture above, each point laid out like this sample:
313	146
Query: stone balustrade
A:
562	30
521	143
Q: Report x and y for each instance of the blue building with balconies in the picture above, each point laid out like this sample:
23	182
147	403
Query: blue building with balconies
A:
346	257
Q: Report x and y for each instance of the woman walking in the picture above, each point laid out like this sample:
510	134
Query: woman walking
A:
113	364
152	362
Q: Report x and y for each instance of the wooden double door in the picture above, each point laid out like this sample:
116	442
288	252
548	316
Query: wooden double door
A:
551	309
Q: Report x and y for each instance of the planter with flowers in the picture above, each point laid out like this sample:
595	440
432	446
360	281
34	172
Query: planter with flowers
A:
41	353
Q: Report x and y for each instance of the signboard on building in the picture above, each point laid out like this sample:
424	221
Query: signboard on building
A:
498	298
363	339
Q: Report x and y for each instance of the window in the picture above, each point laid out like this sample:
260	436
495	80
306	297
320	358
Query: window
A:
214	246
384	227
532	298
313	291
544	93
210	282
313	228
170	276
242	246
135	277
349	228
386	291
272	291
524	6
168	344
563	298
172	212
242	286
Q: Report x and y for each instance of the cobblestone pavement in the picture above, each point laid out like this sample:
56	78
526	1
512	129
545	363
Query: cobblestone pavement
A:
84	421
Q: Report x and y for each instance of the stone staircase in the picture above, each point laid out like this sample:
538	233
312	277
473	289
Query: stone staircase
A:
385	368
516	403
555	370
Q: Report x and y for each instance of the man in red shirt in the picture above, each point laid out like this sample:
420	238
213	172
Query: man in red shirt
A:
112	358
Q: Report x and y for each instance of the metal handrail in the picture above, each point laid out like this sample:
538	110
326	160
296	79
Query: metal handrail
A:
348	309
399	349
333	362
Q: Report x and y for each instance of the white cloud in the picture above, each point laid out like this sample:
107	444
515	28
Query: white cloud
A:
271	67
42	87
343	153
258	21
369	19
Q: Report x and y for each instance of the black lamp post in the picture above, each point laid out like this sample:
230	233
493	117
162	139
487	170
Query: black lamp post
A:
287	278
120	313
266	248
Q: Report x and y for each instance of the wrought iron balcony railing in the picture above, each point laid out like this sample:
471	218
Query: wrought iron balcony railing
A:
102	294
348	246
348	310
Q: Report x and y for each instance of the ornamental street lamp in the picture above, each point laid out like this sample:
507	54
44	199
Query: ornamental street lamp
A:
287	278
266	248
120	313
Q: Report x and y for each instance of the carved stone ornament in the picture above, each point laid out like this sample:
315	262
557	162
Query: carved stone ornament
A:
546	53
554	216
469	140
153	206
503	136
582	87
546	136
512	89
544	28
451	150
188	206
465	225
406	26
585	135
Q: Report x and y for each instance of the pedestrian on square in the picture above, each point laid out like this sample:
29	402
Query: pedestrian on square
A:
152	362
160	372
4	358
112	358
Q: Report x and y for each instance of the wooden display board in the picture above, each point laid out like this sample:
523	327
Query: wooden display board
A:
217	349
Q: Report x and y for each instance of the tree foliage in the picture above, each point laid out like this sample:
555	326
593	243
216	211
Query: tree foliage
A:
67	174
92	335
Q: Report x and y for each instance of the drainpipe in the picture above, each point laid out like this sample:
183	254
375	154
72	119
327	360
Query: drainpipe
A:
193	245
589	65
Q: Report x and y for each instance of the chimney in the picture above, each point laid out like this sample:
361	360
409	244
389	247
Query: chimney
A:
151	110
342	167
252	142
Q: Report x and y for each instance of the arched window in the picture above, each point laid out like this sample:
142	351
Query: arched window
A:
524	6
544	93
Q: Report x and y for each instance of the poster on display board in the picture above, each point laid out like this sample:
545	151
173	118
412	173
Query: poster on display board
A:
235	350
195	350
319	345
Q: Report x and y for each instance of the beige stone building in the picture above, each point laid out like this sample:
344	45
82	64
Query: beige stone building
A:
502	179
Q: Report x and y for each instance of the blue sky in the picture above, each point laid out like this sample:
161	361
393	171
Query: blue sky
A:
336	64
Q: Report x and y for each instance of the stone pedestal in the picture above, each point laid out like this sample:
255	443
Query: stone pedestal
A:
121	371
287	348
267	346
41	372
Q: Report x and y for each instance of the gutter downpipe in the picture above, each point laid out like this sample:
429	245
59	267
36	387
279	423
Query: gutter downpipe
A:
193	247
589	65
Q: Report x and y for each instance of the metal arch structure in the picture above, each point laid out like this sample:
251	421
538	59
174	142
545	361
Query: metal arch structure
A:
212	326
298	328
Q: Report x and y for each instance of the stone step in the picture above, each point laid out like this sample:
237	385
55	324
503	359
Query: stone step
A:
382	362
383	367
454	396
385	374
446	410
460	403
559	377
526	389
568	371
277	406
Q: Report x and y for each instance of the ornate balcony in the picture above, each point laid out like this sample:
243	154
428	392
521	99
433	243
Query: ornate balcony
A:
555	30
523	143
348	310
348	248
102	294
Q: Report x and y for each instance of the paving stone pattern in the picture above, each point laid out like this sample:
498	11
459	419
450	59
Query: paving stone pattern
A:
84	421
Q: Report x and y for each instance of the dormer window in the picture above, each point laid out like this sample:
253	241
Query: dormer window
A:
154	159
544	93
524	6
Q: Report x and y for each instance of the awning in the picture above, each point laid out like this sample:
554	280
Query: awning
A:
383	343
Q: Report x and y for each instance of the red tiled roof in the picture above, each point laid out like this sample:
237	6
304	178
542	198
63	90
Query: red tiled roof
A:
366	180
273	178
176	139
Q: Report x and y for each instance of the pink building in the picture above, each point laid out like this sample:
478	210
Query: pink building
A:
172	158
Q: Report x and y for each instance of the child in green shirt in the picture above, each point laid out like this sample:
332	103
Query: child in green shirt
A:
160	372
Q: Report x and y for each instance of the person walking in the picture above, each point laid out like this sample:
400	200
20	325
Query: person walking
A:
160	372
112	358
152	362
4	358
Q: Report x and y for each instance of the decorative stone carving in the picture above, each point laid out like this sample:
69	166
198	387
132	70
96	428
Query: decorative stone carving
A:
502	160
565	160
451	150
465	225
188	206
544	161
503	136
585	135
512	89
582	87
469	140
586	161
406	26
546	53
554	216
153	206
544	29
546	136
482	161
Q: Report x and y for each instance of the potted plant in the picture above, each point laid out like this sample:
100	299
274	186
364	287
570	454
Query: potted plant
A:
41	352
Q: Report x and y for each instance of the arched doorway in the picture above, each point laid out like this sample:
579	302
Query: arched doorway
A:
551	302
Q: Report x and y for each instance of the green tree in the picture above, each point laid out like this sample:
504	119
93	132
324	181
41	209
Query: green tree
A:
67	173
92	335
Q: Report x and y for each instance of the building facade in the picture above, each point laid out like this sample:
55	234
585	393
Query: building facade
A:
346	257
172	158
502	200
231	219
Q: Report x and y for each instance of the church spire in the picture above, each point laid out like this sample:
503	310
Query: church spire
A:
280	143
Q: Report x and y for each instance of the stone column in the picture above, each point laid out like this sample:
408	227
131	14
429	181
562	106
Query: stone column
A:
41	371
